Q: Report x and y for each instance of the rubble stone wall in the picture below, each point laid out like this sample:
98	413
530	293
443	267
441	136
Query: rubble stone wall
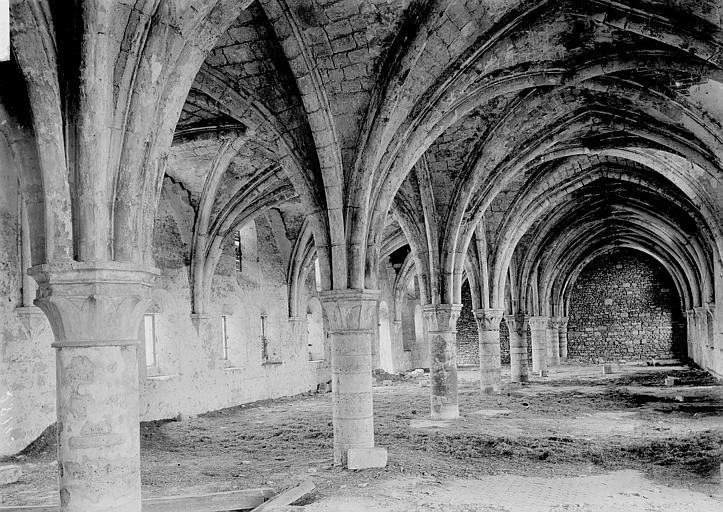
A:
625	306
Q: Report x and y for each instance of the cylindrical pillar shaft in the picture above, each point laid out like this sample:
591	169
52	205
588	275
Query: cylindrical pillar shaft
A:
352	320
553	343
490	365
517	327
98	428
562	333
352	409
441	321
538	335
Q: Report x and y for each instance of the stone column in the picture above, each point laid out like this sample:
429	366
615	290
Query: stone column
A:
490	366
562	333
95	311
398	345
690	331
517	327
553	342
352	317
441	323
538	333
701	332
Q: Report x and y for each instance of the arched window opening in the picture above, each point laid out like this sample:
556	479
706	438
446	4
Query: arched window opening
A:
238	252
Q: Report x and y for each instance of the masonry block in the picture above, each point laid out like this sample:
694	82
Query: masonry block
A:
671	381
607	369
362	458
11	474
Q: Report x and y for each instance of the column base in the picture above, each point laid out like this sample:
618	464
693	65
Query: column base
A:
445	412
491	390
363	458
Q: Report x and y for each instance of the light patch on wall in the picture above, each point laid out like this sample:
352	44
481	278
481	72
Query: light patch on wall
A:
4	30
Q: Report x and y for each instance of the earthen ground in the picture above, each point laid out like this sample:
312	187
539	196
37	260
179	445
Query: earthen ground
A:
577	440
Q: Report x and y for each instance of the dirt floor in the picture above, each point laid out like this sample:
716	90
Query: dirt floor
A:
577	440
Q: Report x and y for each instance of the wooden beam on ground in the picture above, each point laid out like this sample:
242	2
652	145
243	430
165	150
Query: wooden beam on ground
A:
246	499
287	497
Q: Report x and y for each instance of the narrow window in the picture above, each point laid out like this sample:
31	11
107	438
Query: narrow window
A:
264	340
224	338
239	254
149	334
317	274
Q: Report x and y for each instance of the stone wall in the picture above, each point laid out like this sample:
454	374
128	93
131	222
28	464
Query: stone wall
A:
27	363
191	375
625	306
467	334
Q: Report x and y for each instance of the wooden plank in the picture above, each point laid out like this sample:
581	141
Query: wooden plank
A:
245	499
287	497
31	508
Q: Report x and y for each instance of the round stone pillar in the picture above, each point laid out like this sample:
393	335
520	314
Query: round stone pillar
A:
690	332
490	366
95	312
441	323
352	316
553	342
538	333
517	327
562	333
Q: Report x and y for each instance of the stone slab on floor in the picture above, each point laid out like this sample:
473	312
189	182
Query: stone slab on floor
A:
363	458
9	474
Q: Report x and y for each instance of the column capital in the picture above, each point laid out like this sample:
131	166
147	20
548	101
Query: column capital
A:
539	322
488	319
350	309
441	317
93	304
517	322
